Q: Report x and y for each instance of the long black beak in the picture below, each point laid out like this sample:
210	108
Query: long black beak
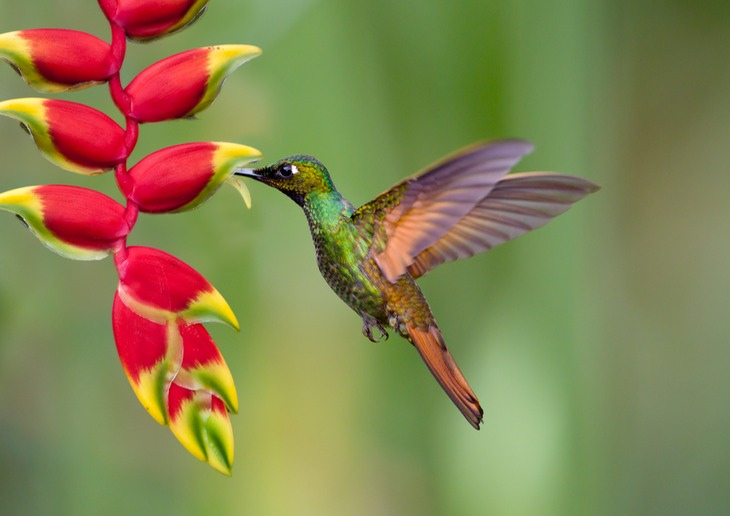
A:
248	172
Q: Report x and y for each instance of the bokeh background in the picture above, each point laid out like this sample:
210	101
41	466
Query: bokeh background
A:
598	345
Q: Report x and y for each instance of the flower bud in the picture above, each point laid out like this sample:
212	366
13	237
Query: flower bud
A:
182	177
144	20
75	222
52	60
162	288
73	136
185	83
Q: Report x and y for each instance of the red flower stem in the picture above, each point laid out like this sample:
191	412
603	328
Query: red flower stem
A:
120	258
119	50
131	130
119	46
117	92
131	214
132	133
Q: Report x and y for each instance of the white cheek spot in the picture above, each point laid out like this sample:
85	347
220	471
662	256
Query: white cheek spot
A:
294	170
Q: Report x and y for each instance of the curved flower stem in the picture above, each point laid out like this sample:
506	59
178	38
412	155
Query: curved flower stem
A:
119	50
131	131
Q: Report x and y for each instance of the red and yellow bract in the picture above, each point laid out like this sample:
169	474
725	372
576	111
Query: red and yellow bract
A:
186	83
182	177
70	135
75	222
144	20
52	60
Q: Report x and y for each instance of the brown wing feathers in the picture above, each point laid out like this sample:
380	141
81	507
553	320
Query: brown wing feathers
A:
518	203
432	202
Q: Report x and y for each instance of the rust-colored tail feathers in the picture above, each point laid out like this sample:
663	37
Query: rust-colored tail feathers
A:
431	347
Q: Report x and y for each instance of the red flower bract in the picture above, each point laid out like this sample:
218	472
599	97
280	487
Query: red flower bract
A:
82	217
158	279
75	222
141	343
162	288
73	136
170	88
85	135
69	56
184	84
147	19
172	177
183	176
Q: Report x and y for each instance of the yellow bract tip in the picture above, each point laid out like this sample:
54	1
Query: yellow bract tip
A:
186	425
230	156
20	197
12	46
25	109
210	306
227	152
221	54
150	390
206	433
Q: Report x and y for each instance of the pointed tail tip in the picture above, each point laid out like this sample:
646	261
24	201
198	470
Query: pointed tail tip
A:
474	414
432	349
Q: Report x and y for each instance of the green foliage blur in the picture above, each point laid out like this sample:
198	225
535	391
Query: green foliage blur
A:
598	345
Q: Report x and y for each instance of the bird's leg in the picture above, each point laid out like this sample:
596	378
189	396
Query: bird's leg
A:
368	323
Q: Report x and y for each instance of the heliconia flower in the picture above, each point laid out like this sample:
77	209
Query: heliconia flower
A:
162	288
180	377
75	222
181	177
143	20
185	83
52	60
73	136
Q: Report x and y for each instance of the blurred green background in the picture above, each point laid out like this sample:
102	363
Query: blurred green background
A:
598	345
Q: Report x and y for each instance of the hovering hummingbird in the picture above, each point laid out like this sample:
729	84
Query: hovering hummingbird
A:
455	208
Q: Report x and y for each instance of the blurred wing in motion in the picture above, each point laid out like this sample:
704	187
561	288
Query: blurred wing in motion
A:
518	203
413	215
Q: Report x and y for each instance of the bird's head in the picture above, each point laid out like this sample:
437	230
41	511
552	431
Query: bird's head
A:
296	176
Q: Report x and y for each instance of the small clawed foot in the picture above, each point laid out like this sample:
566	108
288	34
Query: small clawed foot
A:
367	330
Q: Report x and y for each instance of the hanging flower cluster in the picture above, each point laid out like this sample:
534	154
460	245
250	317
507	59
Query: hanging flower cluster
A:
172	363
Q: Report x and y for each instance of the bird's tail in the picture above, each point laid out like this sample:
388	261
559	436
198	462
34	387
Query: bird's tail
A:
430	345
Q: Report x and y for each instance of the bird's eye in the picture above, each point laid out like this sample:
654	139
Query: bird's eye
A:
285	171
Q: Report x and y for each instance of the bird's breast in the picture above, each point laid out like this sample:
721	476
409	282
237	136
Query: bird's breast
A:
342	258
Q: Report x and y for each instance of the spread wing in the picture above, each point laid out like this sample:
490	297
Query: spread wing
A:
416	213
518	203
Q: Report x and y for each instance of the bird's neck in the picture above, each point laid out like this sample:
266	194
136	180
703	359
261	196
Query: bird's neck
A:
325	210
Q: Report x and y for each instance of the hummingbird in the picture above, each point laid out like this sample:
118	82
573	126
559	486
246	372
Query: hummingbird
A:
460	206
